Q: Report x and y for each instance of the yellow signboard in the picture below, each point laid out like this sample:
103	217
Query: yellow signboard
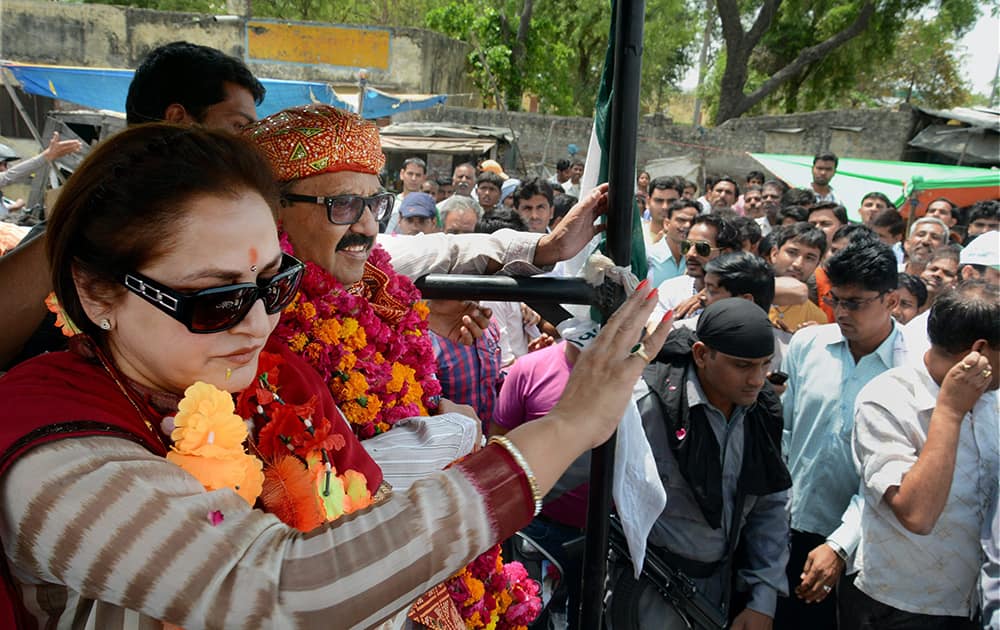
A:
328	45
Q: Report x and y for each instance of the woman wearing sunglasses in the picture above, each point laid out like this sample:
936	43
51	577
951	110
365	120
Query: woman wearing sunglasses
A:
164	253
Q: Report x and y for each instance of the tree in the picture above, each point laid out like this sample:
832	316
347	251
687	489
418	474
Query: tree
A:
740	45
924	68
810	54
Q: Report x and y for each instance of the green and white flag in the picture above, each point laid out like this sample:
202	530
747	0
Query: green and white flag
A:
637	489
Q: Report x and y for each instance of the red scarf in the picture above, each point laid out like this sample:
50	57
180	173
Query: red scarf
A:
69	395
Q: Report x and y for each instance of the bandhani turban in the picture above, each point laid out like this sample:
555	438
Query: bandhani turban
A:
315	139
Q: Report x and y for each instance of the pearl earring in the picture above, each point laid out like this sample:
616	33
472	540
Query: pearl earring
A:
105	324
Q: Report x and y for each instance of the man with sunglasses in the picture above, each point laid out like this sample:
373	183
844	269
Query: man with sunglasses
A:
709	236
827	366
331	201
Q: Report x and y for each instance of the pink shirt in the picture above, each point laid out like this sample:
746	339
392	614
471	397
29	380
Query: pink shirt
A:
533	386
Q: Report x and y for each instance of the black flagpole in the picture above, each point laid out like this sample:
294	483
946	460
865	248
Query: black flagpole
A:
623	129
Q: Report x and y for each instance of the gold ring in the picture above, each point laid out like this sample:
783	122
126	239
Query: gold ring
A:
966	366
639	350
987	373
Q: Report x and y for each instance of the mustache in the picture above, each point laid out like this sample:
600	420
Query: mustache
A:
352	239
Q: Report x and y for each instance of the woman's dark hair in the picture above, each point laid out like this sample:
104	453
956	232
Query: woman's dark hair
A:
868	264
120	209
192	75
914	285
963	315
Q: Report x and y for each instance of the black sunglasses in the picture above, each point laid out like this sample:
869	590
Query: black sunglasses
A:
851	305
220	308
702	248
347	209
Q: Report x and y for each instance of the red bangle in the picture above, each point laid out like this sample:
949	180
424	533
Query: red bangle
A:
504	487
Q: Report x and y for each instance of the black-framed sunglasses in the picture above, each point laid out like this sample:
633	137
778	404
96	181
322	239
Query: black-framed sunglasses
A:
347	209
220	308
702	248
851	305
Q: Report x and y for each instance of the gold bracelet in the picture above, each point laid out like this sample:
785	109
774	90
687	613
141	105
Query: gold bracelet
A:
536	495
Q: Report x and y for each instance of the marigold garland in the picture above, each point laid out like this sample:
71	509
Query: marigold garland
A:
291	472
379	372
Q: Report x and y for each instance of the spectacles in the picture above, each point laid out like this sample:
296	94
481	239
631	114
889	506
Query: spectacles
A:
347	209
851	305
702	248
220	308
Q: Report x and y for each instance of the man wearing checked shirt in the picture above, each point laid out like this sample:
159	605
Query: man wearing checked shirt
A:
827	367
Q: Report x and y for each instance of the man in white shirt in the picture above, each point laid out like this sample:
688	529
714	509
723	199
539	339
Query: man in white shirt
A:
925	443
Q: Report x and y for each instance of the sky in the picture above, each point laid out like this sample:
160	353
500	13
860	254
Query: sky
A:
982	53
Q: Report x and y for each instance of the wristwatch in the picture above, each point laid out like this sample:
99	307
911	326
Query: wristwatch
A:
837	549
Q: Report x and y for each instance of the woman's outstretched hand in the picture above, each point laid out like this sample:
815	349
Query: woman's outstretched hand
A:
607	370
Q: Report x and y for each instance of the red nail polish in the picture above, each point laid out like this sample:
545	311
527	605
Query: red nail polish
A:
642	285
652	294
667	315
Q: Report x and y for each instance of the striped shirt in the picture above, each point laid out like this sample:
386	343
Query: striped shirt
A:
100	533
470	375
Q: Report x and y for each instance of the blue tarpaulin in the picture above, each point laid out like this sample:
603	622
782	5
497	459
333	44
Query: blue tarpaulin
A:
379	104
106	88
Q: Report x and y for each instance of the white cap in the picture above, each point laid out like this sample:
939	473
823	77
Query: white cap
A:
983	250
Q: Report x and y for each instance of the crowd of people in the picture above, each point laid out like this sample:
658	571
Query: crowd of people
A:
819	395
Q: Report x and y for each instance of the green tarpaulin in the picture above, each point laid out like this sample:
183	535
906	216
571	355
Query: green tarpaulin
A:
899	181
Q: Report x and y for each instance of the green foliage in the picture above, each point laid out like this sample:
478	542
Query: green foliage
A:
858	72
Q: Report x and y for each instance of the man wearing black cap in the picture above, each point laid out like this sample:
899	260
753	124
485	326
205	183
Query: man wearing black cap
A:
715	429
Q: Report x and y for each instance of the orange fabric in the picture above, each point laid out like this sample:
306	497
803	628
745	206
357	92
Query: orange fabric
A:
315	139
823	290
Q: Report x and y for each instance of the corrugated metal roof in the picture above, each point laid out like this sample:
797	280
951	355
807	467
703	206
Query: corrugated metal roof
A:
976	116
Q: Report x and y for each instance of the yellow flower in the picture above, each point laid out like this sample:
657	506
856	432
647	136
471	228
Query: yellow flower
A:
475	587
421	309
356	487
400	375
241	474
205	424
308	310
327	331
298	342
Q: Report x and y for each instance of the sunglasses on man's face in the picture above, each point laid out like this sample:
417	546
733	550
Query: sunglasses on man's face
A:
702	248
347	209
834	302
220	308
